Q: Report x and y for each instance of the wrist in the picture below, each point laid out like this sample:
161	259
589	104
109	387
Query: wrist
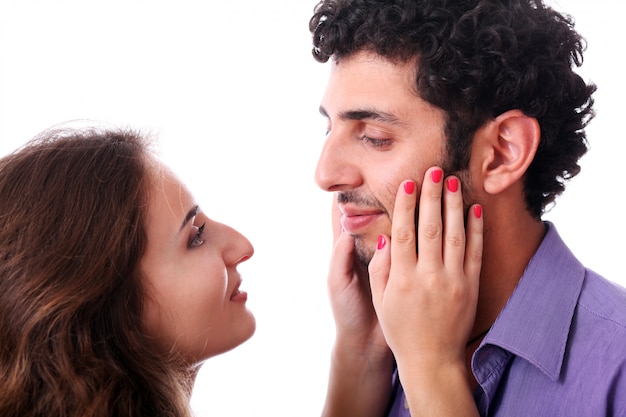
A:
359	381
441	390
362	357
433	376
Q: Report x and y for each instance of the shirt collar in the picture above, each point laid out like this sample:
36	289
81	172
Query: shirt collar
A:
535	322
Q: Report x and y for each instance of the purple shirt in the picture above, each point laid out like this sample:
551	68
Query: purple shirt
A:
558	347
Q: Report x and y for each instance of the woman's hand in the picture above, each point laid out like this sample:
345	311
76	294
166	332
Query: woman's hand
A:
361	365
426	299
350	297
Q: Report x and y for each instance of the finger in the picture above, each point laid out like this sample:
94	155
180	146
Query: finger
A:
453	225
341	262
474	246
379	270
336	220
403	225
430	227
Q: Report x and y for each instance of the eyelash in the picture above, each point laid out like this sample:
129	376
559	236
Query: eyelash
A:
197	238
376	143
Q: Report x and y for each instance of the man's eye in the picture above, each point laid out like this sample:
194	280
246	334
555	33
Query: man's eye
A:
377	143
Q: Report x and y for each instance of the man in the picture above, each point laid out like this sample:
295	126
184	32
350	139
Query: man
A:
483	91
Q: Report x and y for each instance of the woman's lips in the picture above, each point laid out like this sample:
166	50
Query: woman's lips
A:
239	296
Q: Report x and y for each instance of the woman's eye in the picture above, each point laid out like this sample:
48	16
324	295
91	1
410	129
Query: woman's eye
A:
197	238
377	143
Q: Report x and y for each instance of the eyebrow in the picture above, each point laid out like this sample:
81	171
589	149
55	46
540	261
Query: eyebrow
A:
190	215
365	114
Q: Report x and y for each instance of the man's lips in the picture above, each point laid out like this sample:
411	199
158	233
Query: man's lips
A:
355	220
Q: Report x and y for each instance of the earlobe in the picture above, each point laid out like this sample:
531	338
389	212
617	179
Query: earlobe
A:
511	140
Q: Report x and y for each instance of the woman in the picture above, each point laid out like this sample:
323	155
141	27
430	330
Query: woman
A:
115	286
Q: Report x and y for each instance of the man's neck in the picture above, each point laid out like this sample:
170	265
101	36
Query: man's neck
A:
508	248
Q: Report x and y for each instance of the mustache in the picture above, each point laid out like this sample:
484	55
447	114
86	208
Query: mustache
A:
351	196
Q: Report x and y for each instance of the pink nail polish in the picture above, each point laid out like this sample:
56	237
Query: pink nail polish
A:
409	187
381	242
436	175
478	211
453	184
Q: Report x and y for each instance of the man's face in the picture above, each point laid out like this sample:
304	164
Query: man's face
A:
379	134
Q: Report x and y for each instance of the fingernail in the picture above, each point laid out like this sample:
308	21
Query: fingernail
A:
436	175
409	187
453	184
381	242
478	211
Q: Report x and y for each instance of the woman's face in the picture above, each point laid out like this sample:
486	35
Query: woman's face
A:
194	305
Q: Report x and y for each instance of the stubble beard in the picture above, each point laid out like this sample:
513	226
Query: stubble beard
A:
365	252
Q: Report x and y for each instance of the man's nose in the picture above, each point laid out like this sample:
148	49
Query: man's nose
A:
337	168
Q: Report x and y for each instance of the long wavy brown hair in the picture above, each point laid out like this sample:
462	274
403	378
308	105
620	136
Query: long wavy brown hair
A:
72	210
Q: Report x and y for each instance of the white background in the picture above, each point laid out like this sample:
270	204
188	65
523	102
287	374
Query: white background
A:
231	91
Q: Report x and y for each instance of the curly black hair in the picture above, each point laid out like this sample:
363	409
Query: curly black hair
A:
476	60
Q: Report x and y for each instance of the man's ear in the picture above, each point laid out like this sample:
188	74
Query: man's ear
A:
507	147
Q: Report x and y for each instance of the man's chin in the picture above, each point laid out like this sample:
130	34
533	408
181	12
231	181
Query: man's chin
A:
363	251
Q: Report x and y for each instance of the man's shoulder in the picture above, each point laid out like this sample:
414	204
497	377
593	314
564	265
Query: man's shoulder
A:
604	301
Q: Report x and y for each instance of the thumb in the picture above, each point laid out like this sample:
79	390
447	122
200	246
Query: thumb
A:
379	269
335	218
341	262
